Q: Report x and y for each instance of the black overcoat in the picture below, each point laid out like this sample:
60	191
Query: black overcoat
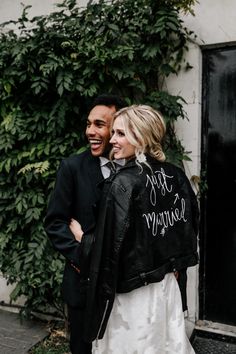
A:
74	196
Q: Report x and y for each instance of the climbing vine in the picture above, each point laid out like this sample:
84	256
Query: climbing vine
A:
51	67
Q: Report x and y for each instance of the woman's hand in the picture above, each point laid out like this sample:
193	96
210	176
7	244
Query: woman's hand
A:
76	229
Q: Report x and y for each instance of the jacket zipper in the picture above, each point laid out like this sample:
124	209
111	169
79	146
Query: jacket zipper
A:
102	321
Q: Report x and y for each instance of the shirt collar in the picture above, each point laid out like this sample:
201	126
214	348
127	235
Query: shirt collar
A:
104	161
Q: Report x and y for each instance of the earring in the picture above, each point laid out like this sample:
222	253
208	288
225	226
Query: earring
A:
141	158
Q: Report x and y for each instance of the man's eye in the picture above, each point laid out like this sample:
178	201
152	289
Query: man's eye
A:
99	124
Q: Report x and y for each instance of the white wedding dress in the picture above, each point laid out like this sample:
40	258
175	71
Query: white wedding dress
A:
148	320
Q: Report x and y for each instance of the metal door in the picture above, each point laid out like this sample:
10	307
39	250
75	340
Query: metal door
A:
218	203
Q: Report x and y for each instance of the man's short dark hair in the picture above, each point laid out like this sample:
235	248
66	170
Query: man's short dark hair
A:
109	101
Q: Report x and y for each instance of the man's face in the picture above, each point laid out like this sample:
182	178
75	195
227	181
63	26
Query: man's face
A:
98	129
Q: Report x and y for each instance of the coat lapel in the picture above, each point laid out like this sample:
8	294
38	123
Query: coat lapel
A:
95	175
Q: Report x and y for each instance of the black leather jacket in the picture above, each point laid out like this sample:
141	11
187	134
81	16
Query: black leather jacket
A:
147	226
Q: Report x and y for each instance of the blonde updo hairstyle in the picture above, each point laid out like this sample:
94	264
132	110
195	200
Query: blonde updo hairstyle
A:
144	128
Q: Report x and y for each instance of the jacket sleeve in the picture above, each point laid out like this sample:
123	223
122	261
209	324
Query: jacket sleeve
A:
195	211
59	214
185	183
111	227
182	282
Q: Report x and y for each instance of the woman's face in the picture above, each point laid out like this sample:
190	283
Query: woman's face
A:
121	146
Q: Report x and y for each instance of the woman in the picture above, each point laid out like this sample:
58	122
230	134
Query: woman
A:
146	231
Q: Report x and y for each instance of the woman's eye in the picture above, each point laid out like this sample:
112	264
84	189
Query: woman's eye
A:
121	134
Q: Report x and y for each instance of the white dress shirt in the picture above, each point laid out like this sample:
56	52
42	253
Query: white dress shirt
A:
105	169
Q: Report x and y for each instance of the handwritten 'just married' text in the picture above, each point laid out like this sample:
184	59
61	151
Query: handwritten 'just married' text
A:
159	220
158	180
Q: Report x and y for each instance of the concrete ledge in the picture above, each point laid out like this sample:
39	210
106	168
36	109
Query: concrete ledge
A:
17	336
217	328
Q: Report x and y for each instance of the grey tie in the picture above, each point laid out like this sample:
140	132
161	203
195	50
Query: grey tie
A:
111	166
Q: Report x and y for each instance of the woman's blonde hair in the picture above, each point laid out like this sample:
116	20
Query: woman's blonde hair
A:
144	128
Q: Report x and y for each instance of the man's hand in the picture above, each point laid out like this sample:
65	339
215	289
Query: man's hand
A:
176	275
76	229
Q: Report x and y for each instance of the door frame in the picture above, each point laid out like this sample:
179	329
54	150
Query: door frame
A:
203	197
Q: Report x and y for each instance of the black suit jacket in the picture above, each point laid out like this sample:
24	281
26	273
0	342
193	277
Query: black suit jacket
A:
74	196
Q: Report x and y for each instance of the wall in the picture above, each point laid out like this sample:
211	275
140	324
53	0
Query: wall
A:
12	9
213	24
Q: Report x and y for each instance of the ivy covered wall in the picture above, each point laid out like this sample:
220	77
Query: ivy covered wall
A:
50	70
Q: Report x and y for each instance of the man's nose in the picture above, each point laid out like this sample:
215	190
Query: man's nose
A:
91	130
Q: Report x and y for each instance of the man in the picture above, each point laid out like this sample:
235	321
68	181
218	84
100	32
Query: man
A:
74	197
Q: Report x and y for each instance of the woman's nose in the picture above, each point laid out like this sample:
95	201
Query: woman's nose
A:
112	139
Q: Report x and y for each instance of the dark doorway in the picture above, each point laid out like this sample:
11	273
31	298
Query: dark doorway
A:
218	204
